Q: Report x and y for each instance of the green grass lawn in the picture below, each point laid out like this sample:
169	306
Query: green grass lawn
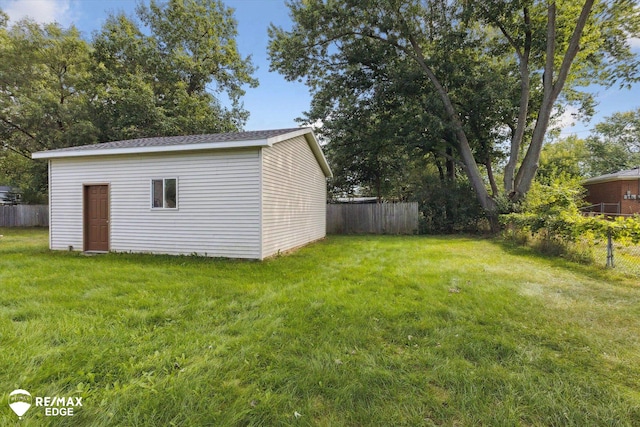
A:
381	331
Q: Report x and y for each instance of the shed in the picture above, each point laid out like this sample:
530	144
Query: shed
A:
615	193
236	195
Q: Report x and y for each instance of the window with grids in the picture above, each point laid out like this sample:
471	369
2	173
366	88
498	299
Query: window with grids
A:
164	193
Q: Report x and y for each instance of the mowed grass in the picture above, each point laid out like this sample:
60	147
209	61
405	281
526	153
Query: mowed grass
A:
374	330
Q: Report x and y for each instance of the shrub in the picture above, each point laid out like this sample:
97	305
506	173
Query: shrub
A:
550	220
449	207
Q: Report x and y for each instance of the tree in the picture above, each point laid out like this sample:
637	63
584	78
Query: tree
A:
167	79
43	105
365	155
614	144
366	139
197	37
541	40
567	159
41	78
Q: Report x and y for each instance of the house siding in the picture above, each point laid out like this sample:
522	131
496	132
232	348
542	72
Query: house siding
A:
293	196
218	210
614	192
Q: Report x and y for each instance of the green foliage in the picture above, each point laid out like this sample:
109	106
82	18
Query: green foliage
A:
29	176
196	41
463	76
43	74
43	77
448	207
163	76
567	159
615	144
624	230
551	210
551	214
365	153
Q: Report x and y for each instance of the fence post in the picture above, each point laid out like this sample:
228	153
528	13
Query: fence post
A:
610	262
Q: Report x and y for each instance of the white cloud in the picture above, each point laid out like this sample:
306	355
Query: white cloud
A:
566	121
634	42
567	118
41	11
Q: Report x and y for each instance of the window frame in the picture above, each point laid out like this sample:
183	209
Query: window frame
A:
164	194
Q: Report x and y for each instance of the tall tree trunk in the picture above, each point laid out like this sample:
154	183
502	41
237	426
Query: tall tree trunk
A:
450	164
523	110
529	167
471	167
518	135
492	178
440	170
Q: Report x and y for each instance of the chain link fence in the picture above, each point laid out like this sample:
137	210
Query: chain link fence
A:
621	257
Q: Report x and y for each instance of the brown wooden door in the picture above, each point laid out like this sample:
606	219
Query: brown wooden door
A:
96	218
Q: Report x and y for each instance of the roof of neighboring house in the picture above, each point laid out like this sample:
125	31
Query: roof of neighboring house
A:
260	138
356	200
626	175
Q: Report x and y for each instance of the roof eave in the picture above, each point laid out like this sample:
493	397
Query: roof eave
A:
599	180
288	135
152	149
317	151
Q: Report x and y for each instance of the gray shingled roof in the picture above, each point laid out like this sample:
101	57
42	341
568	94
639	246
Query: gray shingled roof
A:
182	140
622	175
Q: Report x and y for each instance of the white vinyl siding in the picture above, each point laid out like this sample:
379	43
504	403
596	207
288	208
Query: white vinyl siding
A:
218	206
293	196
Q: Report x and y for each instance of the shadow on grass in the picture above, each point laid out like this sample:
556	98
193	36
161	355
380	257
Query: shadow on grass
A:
590	270
33	240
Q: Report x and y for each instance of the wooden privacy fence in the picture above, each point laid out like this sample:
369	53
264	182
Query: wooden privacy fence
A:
24	216
373	218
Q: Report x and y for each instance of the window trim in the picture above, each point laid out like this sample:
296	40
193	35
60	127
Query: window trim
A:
164	187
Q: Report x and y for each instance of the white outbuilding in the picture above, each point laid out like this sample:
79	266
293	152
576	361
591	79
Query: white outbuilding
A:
236	195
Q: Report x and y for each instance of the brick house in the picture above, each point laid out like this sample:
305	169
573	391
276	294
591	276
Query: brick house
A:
615	193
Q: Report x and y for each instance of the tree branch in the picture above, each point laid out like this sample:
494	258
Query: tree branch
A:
509	38
547	77
552	90
574	47
26	156
517	134
332	39
18	128
449	157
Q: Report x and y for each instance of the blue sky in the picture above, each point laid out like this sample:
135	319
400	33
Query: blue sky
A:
276	103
